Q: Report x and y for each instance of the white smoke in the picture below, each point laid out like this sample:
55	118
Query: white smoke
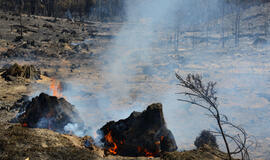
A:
139	65
138	51
75	129
139	71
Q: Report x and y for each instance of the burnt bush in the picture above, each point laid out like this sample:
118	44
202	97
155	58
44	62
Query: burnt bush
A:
25	71
206	137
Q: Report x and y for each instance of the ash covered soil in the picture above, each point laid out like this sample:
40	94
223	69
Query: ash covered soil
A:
58	50
80	56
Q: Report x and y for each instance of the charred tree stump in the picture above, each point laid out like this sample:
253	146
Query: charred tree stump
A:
141	134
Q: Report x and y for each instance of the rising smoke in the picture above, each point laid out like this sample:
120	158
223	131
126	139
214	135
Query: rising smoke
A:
140	70
138	58
140	63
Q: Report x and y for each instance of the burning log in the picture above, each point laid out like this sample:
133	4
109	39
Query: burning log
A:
48	112
141	134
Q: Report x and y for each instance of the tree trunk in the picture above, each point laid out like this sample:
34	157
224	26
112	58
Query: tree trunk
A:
20	12
266	24
223	135
237	24
223	38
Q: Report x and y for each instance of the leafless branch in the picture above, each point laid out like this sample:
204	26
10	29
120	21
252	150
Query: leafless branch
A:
204	96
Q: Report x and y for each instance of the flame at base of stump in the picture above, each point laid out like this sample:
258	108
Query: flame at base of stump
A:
141	134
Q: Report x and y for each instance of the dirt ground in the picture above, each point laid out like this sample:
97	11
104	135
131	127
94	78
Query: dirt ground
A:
52	46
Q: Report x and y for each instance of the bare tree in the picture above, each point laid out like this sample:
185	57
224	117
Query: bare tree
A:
207	7
236	7
21	6
204	96
237	25
222	24
266	24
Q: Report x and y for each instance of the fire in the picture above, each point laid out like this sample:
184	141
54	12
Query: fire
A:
148	154
56	88
109	139
24	125
113	149
161	138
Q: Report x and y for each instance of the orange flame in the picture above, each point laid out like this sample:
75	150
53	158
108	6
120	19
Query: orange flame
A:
161	138
148	154
56	88
109	139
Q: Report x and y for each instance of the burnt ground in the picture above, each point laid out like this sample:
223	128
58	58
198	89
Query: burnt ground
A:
74	52
17	142
50	45
46	44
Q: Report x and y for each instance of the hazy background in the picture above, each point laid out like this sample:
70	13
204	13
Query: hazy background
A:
162	37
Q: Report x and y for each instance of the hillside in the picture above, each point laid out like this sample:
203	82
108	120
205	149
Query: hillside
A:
108	69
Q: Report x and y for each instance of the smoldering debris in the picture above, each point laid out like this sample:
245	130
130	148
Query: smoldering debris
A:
141	134
49	112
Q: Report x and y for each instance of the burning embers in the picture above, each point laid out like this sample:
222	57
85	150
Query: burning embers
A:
109	139
56	88
141	134
48	112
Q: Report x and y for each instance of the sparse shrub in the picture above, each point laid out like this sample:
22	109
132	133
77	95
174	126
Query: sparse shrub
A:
206	137
203	95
